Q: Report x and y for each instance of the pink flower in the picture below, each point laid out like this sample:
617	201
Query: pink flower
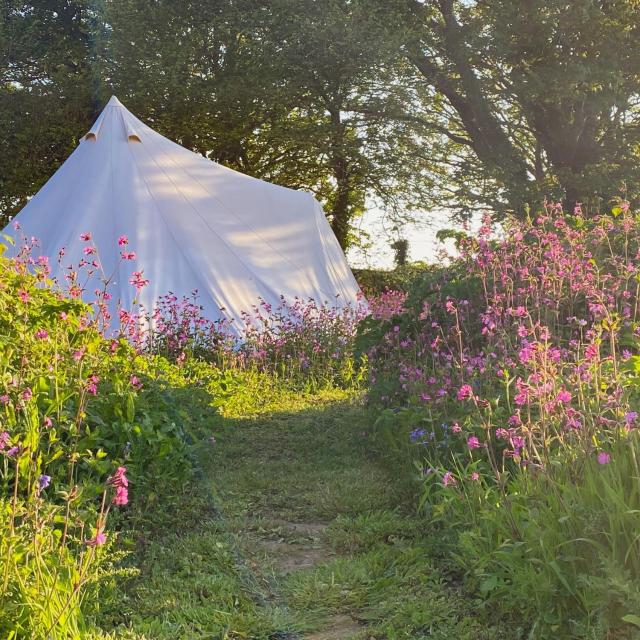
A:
122	496
92	386
42	334
475	476
4	440
89	251
135	382
456	428
564	396
465	392
47	422
122	240
448	479
4	399
450	307
85	237
120	483
119	478
128	255
591	352
97	541
473	443
24	295
27	394
78	354
526	354
604	458
515	420
137	280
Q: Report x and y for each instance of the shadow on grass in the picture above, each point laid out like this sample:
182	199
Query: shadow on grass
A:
298	525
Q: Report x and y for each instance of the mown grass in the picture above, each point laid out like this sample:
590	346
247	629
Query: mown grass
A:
309	460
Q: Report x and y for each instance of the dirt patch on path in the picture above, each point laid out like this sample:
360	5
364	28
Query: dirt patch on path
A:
337	628
288	557
294	546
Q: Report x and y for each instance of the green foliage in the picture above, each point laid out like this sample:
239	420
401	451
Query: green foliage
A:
385	102
284	91
47	76
375	281
512	390
75	406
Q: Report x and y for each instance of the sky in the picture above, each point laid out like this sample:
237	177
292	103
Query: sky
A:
421	235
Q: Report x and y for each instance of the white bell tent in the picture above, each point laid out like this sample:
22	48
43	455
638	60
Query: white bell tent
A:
193	225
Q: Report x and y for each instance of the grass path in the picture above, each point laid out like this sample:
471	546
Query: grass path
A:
309	535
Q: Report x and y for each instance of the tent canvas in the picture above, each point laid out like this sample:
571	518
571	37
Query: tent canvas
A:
193	224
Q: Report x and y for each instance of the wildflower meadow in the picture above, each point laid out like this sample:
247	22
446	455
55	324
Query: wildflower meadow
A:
500	389
509	380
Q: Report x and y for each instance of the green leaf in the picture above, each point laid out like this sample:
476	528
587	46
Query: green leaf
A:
130	409
632	619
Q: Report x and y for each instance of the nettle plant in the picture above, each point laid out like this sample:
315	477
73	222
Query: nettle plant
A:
511	379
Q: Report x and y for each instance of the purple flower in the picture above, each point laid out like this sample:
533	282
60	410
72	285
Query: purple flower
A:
43	482
604	458
630	417
13	451
416	434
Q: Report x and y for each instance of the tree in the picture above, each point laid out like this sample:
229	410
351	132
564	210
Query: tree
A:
280	90
46	91
543	93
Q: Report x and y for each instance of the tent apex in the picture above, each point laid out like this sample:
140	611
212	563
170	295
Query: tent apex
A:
114	102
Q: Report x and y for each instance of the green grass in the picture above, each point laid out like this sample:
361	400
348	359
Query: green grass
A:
298	525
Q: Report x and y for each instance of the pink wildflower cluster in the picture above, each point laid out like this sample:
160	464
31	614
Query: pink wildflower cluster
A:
388	304
299	338
550	317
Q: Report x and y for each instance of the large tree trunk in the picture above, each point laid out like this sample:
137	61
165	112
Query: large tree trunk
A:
341	206
462	88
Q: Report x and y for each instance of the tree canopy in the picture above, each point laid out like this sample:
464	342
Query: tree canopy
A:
410	105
